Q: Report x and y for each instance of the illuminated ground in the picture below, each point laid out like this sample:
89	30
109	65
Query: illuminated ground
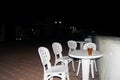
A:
20	61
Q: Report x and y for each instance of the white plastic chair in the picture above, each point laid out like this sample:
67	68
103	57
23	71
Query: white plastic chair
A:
59	58
50	71
72	46
92	61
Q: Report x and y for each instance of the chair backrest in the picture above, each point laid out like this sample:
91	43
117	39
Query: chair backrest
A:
89	45
72	45
88	40
45	57
57	49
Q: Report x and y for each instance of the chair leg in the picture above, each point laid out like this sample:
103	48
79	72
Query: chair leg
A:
92	68
73	66
78	68
68	76
45	78
64	76
51	78
95	65
55	63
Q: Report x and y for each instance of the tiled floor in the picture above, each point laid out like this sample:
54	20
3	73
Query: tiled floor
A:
20	61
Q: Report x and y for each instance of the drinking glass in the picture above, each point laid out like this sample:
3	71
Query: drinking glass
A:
90	51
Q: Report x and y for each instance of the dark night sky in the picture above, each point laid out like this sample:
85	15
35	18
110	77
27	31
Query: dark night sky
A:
98	20
101	20
73	19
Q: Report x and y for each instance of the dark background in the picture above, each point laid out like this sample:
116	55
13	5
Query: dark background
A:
100	24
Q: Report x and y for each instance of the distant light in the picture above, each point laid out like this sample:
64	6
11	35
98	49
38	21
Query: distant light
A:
60	22
32	29
73	27
55	22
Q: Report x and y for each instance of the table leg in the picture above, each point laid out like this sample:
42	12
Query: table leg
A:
85	69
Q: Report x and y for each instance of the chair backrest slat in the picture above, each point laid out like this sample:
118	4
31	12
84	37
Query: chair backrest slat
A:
57	49
89	45
88	40
72	45
45	57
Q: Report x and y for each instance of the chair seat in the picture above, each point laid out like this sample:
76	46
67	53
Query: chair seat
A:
59	58
65	58
57	69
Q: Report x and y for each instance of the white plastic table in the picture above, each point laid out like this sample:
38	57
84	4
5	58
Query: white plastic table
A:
83	54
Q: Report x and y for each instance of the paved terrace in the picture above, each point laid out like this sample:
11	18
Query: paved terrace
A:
20	61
